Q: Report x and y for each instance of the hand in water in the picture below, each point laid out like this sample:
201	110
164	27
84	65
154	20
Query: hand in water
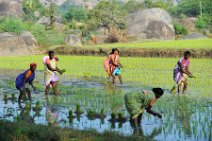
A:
158	115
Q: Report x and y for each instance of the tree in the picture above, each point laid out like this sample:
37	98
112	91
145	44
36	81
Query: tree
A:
76	13
108	14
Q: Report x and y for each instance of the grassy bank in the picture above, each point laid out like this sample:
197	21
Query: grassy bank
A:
175	44
30	132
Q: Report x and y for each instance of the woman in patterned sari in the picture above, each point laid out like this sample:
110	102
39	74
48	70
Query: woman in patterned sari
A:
181	71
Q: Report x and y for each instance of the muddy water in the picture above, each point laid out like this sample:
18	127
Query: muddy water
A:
184	117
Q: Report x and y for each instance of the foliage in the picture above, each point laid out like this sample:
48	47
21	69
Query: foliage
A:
192	7
180	29
132	6
108	14
24	131
76	13
51	13
30	6
200	23
159	4
12	25
47	37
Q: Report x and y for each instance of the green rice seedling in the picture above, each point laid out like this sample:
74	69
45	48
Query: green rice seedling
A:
113	117
13	96
38	106
5	97
70	114
28	106
91	114
78	110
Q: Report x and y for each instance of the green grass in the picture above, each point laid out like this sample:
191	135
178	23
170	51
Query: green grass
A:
175	44
23	131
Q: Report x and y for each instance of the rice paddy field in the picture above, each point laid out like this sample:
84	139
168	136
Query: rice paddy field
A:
88	100
175	44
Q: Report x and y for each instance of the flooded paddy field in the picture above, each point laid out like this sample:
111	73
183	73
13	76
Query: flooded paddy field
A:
88	100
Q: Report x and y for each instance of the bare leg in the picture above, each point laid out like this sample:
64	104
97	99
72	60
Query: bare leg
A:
54	85
185	87
114	77
47	90
20	96
178	88
120	79
139	119
29	94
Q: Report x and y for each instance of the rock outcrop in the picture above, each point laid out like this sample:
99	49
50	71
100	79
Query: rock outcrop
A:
152	23
194	35
73	40
13	45
11	8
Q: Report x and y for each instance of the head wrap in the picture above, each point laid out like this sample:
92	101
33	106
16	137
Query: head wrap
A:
32	65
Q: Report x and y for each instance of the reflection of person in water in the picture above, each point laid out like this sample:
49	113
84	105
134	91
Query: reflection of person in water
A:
137	102
25	114
154	133
52	115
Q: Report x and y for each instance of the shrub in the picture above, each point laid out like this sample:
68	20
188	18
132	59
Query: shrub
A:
29	6
159	4
77	13
180	29
200	23
47	37
12	25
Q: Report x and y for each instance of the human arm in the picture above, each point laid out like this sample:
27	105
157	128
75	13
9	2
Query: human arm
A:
150	111
112	58
187	69
184	70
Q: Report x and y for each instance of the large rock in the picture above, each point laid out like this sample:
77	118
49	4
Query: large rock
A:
152	23
13	45
72	40
11	8
194	36
29	39
46	20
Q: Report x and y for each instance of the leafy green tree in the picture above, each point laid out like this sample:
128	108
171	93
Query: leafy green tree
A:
29	6
108	14
76	13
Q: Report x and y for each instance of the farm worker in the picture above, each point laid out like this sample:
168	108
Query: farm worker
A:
50	69
181	71
24	80
107	63
137	102
116	65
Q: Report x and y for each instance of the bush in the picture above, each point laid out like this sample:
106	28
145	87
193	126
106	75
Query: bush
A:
159	4
180	29
200	23
47	37
77	13
12	25
30	6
